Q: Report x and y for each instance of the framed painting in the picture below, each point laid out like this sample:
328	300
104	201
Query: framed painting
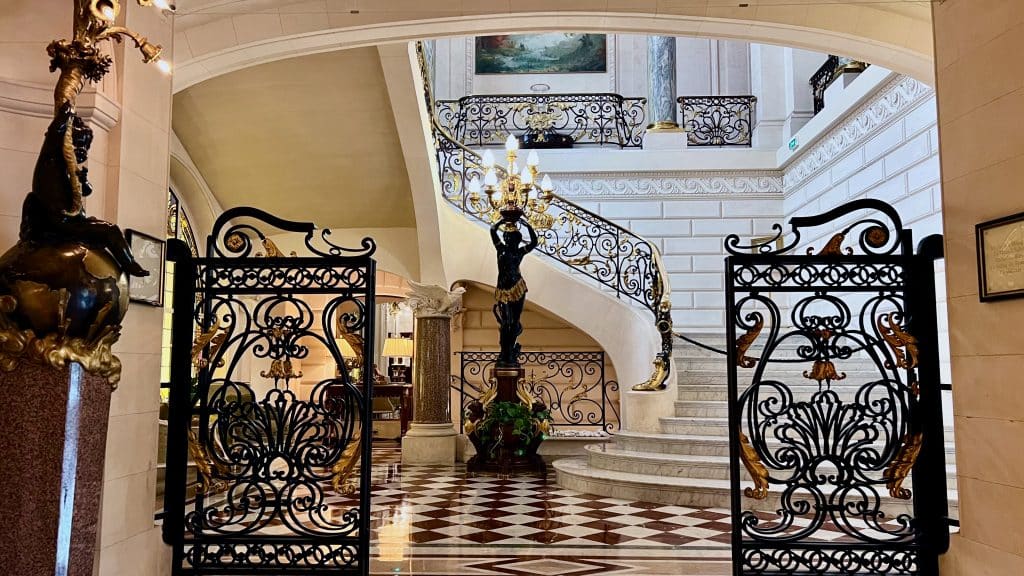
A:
149	253
550	53
1001	258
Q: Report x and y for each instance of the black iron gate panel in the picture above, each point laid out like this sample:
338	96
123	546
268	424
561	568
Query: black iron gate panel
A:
834	399
268	474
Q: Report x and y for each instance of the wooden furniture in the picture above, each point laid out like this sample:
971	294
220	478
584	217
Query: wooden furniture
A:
392	410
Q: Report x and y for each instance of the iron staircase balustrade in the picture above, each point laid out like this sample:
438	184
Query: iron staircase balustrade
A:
824	77
585	242
572	384
601	118
718	120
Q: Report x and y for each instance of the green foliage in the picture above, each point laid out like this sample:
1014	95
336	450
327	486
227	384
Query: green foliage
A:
524	423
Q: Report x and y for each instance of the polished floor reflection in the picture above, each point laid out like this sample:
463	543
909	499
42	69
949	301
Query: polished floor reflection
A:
433	520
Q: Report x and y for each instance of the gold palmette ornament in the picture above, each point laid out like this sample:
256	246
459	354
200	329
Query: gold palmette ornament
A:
64	285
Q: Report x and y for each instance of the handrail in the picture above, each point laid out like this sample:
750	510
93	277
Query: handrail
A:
824	76
580	239
597	118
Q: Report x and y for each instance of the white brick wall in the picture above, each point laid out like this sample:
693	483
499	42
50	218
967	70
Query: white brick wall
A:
690	234
895	161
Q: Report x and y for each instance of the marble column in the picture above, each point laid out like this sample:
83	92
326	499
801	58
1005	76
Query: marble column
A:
53	436
432	437
663	131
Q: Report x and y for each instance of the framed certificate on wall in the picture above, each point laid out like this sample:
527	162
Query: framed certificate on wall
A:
1001	258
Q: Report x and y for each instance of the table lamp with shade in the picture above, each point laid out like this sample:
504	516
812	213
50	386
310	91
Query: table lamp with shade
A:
349	355
398	348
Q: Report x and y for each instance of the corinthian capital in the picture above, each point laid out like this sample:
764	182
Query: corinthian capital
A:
430	300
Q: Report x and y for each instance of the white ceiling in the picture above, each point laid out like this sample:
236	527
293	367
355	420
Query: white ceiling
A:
310	138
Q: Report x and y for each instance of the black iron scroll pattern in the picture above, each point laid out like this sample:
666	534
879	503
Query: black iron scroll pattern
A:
718	120
573	385
274	445
826	449
627	264
578	238
586	118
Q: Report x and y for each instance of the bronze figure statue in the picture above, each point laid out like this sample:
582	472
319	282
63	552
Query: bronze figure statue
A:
53	210
510	292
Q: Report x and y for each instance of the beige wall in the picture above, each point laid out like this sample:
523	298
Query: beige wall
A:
980	79
128	168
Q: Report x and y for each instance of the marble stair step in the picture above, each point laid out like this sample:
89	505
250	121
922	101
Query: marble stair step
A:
702	408
702	425
690	444
611	457
576	473
792	372
720	393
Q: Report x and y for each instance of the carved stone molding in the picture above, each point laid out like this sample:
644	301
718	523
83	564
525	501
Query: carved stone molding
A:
36	100
896	98
430	301
662	184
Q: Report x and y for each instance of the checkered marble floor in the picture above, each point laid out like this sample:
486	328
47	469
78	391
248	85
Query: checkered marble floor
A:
442	507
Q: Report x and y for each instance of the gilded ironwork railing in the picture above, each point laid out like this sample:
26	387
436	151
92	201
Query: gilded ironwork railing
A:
621	261
718	120
573	385
833	67
586	118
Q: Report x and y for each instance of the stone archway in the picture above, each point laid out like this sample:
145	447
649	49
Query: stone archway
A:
856	32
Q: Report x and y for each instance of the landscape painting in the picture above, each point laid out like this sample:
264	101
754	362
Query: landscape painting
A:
552	53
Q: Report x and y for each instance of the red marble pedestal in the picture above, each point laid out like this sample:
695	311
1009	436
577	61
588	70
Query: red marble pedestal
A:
53	436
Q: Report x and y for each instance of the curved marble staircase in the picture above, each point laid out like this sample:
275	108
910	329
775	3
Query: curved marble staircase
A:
687	463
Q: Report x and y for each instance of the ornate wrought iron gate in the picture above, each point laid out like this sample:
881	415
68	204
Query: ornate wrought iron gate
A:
834	399
277	487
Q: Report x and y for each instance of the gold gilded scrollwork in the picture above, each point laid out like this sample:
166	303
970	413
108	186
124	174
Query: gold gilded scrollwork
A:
345	465
834	247
901	466
756	469
657	379
824	370
207	482
898	340
212	337
746	341
55	350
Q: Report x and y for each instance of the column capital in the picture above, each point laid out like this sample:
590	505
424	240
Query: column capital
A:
432	301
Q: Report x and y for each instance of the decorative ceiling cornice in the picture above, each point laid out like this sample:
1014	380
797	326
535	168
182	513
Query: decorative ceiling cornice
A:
895	99
668	184
36	100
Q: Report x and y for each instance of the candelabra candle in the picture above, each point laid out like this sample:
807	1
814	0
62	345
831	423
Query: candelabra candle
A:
519	193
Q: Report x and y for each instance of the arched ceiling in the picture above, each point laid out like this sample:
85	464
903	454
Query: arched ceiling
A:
213	37
311	138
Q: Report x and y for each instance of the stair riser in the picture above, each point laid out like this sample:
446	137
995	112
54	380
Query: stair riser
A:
697	393
693	497
709	471
693	377
637	466
711	446
701	410
702	429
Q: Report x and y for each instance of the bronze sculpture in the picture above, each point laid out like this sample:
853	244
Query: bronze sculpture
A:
510	292
64	285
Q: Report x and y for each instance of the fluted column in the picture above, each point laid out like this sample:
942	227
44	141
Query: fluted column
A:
663	131
431	437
